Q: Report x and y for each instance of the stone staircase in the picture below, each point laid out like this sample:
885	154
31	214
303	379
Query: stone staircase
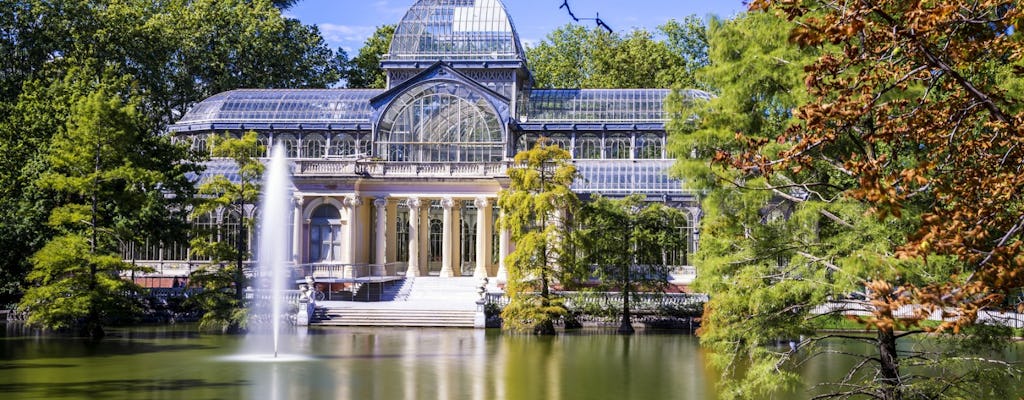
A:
396	317
428	301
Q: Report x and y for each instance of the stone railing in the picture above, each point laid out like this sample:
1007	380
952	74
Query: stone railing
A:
376	168
599	302
351	271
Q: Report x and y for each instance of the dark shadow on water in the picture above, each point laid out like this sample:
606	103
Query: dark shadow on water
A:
135	388
23	366
30	348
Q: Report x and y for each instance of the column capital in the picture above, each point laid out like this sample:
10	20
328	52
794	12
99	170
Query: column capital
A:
353	201
447	203
413	202
481	202
380	201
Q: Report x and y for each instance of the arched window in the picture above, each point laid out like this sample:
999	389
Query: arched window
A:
648	146
402	233
526	142
325	234
313	146
588	146
682	225
199	144
436	241
561	141
467	234
443	122
264	145
204	227
291	145
343	145
617	146
232	231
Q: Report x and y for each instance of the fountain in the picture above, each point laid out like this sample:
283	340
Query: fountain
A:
274	248
272	271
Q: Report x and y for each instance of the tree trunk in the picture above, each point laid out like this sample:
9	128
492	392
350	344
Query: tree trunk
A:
546	326
626	327
889	368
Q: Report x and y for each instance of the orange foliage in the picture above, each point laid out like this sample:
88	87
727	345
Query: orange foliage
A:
916	85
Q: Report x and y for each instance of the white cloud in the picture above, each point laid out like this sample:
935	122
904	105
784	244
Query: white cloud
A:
346	35
390	10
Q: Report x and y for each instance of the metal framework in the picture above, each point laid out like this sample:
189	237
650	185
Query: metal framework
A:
456	30
626	177
440	121
599	105
283	106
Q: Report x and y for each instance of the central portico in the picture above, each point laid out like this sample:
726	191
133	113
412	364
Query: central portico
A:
442	230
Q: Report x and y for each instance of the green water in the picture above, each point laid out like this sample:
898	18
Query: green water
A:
340	363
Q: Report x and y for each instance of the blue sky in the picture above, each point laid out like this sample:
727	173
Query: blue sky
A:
347	23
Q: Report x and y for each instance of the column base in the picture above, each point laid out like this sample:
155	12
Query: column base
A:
412	271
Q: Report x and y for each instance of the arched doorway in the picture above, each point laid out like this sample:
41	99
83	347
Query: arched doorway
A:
325	235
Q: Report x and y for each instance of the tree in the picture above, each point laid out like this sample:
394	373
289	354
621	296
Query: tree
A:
533	208
787	234
106	170
364	69
176	53
224	278
576	57
638	263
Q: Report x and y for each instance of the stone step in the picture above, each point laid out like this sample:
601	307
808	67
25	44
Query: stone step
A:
396	317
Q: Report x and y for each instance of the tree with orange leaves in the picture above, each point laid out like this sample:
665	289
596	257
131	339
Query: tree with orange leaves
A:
895	174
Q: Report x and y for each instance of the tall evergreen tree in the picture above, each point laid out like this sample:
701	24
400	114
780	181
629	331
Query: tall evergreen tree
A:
224	276
106	171
176	52
788	245
533	210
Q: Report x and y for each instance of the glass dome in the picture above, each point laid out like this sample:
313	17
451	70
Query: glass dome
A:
456	30
440	122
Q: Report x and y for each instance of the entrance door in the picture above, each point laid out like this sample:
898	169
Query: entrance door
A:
435	248
467	234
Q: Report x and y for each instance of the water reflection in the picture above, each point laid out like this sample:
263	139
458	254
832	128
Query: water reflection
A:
415	364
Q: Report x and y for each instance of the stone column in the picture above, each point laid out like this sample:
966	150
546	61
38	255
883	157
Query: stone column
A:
483	236
413	269
352	229
502	254
381	230
296	230
446	238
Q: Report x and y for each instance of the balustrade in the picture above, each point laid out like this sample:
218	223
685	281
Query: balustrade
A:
374	168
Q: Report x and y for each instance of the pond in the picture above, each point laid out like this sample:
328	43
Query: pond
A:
365	363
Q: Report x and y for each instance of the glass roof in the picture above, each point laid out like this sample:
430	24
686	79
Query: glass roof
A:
626	177
456	30
599	105
284	105
226	168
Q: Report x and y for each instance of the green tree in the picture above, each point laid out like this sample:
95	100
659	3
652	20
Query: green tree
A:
106	170
224	278
576	57
176	52
638	263
364	69
533	210
782	247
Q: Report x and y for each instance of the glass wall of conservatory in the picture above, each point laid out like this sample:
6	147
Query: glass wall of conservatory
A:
440	122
